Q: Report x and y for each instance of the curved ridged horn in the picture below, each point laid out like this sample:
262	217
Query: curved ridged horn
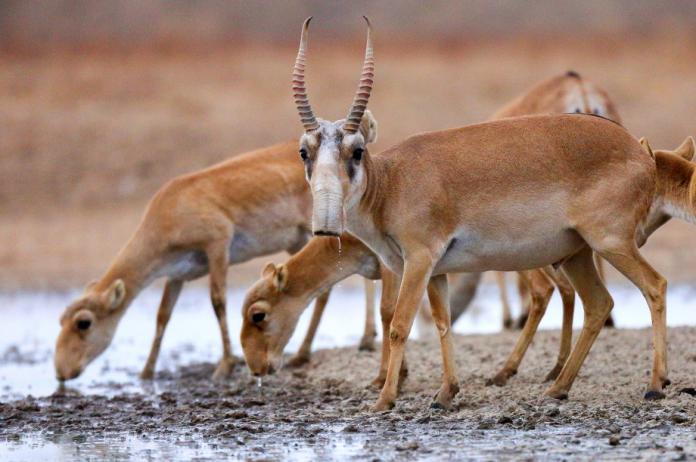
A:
298	84
362	95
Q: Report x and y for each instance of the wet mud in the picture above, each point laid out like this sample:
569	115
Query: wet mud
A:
322	409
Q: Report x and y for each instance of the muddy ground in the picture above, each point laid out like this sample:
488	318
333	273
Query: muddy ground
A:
321	410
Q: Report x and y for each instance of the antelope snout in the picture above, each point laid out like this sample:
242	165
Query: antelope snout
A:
67	373
327	216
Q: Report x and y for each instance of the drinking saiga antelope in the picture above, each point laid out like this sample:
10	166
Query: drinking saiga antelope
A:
508	195
284	290
252	205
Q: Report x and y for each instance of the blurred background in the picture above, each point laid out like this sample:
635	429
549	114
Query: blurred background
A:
102	101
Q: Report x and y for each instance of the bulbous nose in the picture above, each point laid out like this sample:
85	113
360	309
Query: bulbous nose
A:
64	373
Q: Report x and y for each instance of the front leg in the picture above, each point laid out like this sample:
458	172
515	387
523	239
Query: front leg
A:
390	291
171	293
367	342
417	269
304	352
218	261
439	303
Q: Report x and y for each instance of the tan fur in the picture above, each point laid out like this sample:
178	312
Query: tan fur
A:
458	200
548	96
252	205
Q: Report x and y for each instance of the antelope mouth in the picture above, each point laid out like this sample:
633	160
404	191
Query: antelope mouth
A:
326	233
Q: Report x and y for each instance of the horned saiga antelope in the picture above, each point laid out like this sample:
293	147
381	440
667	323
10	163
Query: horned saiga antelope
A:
252	205
273	304
508	195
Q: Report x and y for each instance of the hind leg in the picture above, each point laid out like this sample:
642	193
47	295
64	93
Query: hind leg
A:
568	298
305	351
654	288
540	293
367	342
523	289
599	264
597	304
504	300
463	292
171	294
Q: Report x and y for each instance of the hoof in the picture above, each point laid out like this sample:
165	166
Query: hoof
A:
553	373
507	324
559	395
689	391
443	398
437	405
521	321
224	369
500	379
653	395
147	374
377	384
609	322
367	344
298	360
382	405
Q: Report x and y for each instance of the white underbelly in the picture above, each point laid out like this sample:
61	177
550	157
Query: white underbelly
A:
474	252
247	245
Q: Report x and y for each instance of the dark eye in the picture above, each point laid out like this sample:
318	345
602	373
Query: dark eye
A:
303	153
258	317
83	324
357	154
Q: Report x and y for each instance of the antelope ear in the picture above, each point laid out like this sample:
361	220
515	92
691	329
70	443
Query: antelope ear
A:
646	145
268	270
115	294
281	277
687	149
368	127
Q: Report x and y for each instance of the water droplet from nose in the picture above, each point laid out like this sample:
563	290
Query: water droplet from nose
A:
259	382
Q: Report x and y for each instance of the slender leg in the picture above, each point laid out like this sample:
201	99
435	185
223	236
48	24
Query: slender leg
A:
416	274
305	351
568	297
464	290
172	289
654	288
217	263
439	304
599	264
367	343
540	291
597	304
523	289
504	300
390	291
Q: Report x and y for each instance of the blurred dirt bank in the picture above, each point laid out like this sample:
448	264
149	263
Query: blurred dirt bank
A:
87	136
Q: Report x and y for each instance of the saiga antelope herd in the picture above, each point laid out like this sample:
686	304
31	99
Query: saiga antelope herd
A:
527	191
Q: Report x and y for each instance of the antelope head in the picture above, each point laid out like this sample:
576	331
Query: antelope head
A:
87	328
269	317
334	153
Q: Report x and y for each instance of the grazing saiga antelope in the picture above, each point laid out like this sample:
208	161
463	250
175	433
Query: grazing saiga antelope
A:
508	195
317	266
273	305
252	205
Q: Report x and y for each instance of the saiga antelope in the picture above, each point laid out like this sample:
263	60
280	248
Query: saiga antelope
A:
249	206
508	195
286	289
